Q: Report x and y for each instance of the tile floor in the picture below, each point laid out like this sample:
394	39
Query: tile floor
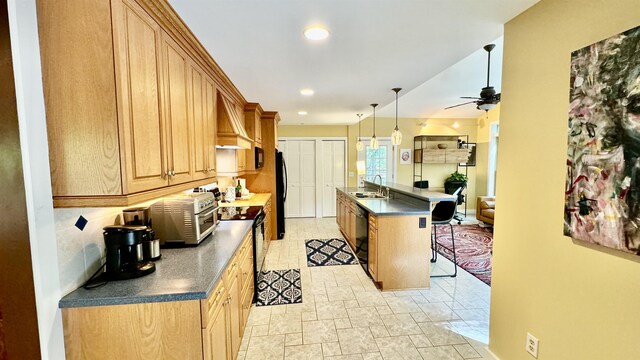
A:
343	315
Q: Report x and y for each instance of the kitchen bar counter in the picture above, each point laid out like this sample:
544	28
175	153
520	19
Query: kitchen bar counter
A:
256	200
386	207
182	274
424	194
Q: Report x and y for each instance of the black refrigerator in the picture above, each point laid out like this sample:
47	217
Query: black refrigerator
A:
281	192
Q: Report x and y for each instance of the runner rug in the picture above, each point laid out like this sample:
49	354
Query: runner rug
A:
279	287
326	252
473	248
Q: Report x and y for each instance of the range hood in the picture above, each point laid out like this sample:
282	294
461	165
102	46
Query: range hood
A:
231	132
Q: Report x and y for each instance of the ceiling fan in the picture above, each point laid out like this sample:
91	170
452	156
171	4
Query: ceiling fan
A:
488	98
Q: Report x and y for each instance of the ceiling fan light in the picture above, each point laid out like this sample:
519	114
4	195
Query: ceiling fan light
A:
373	144
396	137
486	106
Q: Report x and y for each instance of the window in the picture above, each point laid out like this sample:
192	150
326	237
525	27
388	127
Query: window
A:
378	161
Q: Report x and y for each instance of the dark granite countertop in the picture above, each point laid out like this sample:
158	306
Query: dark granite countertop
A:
182	274
424	194
386	207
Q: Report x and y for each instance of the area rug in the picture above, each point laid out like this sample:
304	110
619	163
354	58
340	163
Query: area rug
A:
279	287
473	248
328	252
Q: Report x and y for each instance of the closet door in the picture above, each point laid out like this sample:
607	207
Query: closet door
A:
333	174
300	157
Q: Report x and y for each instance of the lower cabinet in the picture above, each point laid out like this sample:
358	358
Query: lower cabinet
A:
372	256
208	329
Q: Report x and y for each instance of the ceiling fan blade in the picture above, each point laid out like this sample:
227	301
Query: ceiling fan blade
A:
467	103
470	97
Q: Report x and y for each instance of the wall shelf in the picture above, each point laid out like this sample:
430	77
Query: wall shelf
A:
426	152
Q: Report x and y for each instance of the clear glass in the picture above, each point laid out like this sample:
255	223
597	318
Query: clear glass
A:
359	145
396	137
374	142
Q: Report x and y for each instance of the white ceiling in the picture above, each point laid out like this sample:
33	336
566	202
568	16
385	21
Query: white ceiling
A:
374	45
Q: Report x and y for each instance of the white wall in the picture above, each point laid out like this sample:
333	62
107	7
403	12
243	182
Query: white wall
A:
23	27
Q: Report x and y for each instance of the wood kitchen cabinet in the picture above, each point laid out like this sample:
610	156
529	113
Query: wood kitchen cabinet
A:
211	328
131	101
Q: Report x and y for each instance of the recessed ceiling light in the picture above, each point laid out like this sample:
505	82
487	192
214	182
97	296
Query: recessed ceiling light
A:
307	92
456	125
302	113
316	33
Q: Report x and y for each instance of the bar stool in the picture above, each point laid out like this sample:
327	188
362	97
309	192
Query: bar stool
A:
443	213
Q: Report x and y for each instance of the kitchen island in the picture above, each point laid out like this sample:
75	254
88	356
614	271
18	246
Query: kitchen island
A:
392	235
196	304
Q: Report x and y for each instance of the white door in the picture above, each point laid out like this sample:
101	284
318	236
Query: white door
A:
333	173
379	161
300	158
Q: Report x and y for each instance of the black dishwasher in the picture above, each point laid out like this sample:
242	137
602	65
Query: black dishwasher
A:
362	237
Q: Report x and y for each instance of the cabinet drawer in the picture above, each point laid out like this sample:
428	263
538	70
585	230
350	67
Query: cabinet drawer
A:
247	267
247	299
373	221
211	305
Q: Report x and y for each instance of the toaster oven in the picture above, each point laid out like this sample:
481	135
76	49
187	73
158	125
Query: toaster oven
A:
184	219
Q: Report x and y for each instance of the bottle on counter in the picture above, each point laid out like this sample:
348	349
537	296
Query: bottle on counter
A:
238	191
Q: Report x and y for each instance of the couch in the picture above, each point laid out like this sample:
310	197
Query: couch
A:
485	209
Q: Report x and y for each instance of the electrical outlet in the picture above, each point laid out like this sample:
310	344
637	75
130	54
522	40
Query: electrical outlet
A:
532	345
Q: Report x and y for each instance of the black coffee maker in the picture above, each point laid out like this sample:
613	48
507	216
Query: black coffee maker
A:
124	252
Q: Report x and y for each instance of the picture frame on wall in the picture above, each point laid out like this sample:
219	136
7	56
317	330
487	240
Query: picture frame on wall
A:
405	156
472	154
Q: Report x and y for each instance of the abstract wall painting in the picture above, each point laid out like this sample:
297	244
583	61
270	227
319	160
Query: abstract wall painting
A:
602	195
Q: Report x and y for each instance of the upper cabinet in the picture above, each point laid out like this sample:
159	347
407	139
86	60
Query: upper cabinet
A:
132	101
252	114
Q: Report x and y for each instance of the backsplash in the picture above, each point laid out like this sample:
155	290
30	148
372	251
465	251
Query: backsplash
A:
80	253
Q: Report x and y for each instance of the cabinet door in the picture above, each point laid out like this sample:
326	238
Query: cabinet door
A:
177	120
216	337
199	121
137	53
210	116
372	256
235	311
241	156
258	130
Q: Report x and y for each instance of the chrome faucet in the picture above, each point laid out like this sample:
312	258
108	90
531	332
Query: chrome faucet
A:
374	181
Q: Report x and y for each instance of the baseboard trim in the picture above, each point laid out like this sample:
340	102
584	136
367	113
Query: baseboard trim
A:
491	353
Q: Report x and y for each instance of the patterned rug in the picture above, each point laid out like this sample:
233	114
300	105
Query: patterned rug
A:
327	252
279	287
473	248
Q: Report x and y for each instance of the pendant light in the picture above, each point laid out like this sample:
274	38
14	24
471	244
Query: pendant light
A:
396	135
359	144
374	140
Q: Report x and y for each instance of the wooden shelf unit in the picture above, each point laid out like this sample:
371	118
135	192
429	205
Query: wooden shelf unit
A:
426	152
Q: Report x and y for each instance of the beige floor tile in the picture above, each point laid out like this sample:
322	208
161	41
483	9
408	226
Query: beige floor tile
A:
342	323
266	348
285	324
370	298
439	312
320	331
308	316
420	341
345	357
372	356
402	304
439	334
331	310
331	349
398	348
401	325
340	293
467	351
440	353
293	339
379	331
364	317
356	341
260	330
303	352
259	315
